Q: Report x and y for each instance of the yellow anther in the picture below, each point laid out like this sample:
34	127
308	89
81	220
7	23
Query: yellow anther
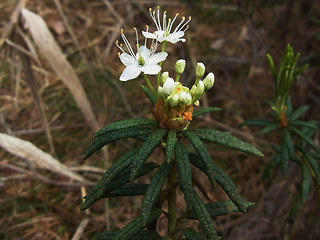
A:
164	12
119	54
177	14
158	7
183	18
121	31
189	18
117	42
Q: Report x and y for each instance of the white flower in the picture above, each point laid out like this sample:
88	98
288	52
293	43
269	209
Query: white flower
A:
163	32
144	60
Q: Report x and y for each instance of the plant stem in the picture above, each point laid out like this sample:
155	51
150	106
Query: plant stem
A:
149	84
164	44
172	198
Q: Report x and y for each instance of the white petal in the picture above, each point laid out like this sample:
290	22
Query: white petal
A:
145	53
176	37
127	59
152	69
168	86
156	58
130	72
149	34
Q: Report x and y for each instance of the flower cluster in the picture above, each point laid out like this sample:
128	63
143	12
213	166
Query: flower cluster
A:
174	107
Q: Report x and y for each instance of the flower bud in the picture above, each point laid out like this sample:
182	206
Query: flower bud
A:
208	81
200	69
180	65
188	99
200	89
168	87
193	90
173	100
160	92
183	97
164	77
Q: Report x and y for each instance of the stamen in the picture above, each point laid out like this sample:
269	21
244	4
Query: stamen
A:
182	21
158	13
119	46
164	20
186	28
137	37
185	24
127	43
145	41
153	16
170	25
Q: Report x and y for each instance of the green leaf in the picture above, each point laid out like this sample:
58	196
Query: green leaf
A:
146	149
203	153
271	63
305	185
203	216
224	181
269	128
135	227
103	140
288	141
154	189
124	124
284	155
192	234
312	163
143	235
184	170
270	166
101	190
205	110
131	189
226	140
171	141
299	134
312	124
220	208
297	113
256	122
153	99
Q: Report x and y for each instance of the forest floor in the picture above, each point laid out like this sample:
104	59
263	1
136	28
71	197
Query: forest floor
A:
37	105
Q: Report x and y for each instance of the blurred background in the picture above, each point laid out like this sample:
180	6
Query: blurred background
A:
56	91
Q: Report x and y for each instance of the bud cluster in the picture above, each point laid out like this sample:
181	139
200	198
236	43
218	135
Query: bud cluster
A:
178	100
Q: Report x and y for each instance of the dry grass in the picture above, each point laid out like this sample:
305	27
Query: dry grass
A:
38	104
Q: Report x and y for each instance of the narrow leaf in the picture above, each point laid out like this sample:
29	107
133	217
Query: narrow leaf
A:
297	113
269	128
203	216
288	141
101	190
154	189
124	124
135	227
171	141
203	153
226	140
192	234
305	184
131	189
146	149
284	155
299	134
205	110
103	140
184	170
220	208
153	99
312	125
143	235
224	181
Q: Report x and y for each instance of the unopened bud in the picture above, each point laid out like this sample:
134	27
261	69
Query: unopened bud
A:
200	69
168	87
183	97
160	92
174	99
208	81
200	89
180	65
164	77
